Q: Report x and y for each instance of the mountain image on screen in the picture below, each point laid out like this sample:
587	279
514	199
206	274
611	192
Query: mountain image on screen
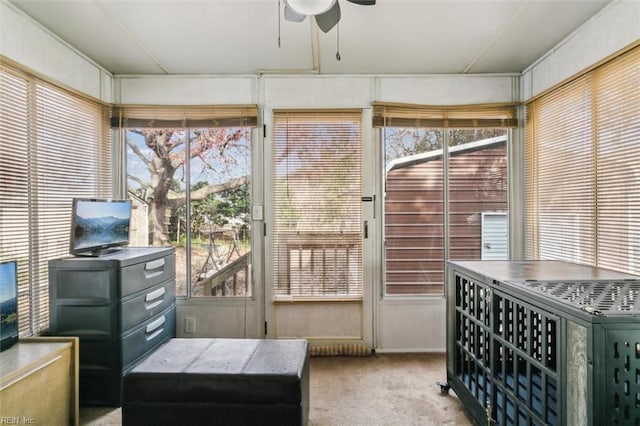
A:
8	304
8	317
96	231
99	224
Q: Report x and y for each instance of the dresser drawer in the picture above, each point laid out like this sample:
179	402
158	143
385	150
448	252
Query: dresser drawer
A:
147	304
70	286
85	321
148	336
143	275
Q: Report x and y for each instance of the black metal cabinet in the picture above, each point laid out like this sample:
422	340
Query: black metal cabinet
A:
121	306
544	343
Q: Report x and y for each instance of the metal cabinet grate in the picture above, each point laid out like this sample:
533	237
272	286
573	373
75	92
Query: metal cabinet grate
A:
543	352
608	297
623	381
506	355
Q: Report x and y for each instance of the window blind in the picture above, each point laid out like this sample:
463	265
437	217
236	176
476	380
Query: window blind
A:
317	220
583	169
140	116
56	146
388	114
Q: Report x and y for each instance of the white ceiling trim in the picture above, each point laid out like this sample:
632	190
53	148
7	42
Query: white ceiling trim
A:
135	39
495	37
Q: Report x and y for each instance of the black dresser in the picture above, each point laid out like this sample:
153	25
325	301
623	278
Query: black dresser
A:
120	305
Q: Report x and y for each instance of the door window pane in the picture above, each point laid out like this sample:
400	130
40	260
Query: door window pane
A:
317	239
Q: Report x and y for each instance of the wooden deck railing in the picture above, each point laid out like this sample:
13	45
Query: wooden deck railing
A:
216	283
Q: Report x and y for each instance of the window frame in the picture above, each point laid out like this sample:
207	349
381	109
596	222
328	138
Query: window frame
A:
448	154
187	119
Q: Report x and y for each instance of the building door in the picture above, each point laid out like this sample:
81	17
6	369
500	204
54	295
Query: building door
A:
495	236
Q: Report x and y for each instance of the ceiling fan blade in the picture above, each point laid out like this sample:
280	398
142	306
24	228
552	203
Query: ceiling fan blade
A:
329	19
291	15
364	2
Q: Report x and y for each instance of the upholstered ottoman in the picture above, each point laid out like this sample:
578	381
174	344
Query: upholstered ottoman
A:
220	382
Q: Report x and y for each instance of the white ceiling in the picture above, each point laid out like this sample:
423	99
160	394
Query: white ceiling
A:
241	36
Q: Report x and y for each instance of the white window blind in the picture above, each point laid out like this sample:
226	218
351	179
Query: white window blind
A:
317	221
56	146
583	169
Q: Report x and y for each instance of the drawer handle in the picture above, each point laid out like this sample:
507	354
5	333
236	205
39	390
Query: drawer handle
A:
148	306
154	268
155	324
154	264
154	294
154	335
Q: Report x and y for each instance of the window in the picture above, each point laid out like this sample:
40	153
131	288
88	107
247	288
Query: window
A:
582	161
317	189
414	210
439	184
55	146
188	175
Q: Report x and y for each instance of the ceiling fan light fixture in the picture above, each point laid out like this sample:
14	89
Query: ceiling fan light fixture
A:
310	7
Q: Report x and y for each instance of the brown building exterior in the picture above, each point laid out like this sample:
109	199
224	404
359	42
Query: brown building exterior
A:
414	212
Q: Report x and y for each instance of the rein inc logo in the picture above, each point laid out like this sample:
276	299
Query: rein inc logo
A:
15	420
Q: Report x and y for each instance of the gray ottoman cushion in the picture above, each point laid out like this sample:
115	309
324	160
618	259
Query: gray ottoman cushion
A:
220	381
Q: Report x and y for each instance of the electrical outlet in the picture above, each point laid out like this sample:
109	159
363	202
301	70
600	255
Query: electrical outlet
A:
190	325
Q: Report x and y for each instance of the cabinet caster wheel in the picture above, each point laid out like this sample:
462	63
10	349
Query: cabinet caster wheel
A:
444	387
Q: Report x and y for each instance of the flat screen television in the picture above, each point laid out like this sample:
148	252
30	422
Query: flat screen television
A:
98	225
8	304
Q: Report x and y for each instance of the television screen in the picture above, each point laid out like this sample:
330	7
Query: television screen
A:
97	225
8	304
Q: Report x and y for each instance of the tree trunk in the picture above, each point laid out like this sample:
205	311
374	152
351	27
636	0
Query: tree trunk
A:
161	184
159	229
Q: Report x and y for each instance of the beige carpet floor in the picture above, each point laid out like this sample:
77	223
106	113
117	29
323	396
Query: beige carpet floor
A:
383	389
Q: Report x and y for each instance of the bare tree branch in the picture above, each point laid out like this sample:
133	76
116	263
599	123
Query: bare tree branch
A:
140	181
205	191
138	153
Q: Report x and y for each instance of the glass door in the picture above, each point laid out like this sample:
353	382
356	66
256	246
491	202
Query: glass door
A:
317	227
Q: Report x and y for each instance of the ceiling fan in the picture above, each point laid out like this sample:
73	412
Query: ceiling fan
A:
326	12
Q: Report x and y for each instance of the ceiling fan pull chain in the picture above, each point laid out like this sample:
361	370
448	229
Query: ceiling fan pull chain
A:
338	42
279	8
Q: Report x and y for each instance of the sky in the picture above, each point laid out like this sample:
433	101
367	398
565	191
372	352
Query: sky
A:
92	209
199	172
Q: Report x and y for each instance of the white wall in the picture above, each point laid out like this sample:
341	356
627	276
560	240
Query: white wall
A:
400	324
322	91
185	90
615	27
29	44
448	89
